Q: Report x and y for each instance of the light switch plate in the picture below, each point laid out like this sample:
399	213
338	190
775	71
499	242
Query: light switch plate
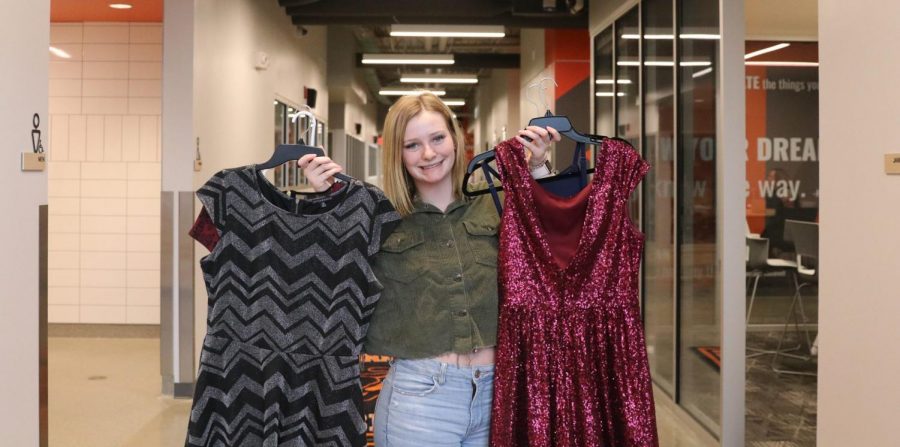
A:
33	161
892	163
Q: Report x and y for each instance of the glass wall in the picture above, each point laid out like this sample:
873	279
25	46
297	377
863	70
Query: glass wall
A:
699	328
661	47
604	121
658	198
628	67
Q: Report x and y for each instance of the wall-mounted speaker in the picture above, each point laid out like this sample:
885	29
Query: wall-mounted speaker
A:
311	94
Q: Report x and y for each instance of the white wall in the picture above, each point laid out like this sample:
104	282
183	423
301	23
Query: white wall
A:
498	108
859	301
780	20
24	37
104	173
233	111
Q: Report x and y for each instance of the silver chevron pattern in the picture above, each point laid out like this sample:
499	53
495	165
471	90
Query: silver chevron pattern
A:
291	293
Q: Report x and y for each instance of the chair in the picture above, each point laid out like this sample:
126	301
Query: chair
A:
805	237
758	265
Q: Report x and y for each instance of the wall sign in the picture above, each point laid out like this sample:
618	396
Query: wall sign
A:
35	160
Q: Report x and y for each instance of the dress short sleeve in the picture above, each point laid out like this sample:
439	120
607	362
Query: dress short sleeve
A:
204	230
212	196
385	219
633	167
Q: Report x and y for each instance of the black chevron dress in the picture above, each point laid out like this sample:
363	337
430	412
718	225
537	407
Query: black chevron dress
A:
291	293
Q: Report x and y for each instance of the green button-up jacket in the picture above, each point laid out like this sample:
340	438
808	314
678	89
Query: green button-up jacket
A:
439	271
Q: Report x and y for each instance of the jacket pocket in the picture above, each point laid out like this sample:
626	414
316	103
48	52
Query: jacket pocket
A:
482	237
397	257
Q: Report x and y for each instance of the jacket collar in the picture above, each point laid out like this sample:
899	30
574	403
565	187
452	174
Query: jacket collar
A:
421	207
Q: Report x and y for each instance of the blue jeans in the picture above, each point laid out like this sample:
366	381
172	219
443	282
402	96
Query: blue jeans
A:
429	403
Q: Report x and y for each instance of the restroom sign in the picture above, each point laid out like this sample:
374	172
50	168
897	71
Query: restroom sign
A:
34	160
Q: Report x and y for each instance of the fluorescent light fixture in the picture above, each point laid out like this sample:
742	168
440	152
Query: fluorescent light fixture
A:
700	36
60	53
454	102
703	72
610	81
608	94
403	59
766	50
120	6
633	36
448	31
664	63
404	92
440	78
781	64
649	36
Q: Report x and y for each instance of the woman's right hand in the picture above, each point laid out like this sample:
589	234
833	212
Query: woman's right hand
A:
319	171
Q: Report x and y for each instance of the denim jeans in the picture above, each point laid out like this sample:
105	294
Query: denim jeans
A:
429	403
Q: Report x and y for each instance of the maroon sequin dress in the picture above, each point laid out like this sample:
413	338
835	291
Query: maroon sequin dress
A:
571	361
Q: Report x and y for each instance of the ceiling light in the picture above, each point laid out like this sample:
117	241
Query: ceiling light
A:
60	53
404	92
402	59
448	31
454	102
440	78
610	81
781	64
664	63
766	50
633	36
700	36
608	94
649	36
120	6
703	72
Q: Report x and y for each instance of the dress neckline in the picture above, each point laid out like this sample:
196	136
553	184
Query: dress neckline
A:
542	236
260	182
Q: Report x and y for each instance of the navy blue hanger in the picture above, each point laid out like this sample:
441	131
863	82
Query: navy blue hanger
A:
567	183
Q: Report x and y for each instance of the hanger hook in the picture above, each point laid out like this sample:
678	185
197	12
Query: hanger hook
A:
307	113
544	91
541	90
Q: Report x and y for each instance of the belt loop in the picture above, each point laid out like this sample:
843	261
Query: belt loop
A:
442	373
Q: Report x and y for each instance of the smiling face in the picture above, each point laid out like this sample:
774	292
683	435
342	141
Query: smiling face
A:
428	150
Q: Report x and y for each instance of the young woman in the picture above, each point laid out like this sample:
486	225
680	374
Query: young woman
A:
437	315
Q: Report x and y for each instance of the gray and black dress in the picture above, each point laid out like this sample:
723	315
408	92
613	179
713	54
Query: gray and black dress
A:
291	292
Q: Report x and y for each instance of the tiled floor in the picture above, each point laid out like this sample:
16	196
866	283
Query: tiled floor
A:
781	408
105	392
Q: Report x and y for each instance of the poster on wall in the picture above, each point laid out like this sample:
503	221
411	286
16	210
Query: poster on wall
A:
782	85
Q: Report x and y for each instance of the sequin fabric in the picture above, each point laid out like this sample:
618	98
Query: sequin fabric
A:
571	362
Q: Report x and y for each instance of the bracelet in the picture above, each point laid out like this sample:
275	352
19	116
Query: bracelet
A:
541	170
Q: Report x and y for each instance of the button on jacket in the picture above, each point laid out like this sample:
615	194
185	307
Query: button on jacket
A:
439	272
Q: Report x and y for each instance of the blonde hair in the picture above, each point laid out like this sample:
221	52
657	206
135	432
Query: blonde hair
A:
398	186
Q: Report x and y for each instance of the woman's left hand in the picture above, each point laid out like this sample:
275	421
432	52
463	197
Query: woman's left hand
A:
541	139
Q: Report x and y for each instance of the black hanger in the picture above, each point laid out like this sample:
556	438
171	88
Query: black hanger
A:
292	152
562	124
578	169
